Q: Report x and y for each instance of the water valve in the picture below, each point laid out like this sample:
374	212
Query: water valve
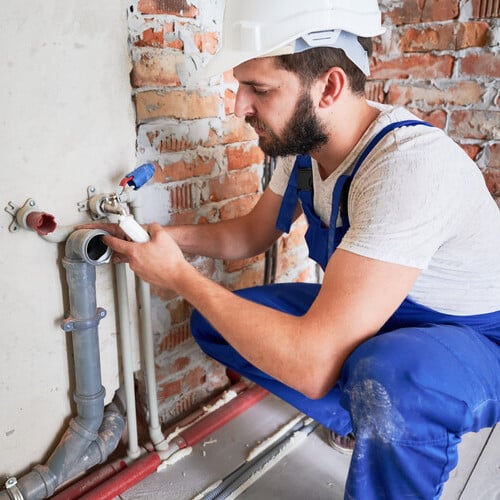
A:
138	177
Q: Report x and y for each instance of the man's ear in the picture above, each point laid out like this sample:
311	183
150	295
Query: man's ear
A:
334	83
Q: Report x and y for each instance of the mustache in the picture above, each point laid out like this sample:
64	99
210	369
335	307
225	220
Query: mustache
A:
256	123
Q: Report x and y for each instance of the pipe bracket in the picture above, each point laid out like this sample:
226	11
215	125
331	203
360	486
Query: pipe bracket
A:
70	324
12	490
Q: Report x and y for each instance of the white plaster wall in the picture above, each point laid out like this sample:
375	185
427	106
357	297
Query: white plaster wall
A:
66	122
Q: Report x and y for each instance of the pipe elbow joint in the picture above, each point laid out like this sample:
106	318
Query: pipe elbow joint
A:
86	245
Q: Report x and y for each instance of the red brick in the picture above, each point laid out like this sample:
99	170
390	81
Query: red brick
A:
439	37
234	185
244	156
156	39
185	169
472	34
486	8
175	338
421	66
452	36
458	94
471	149
180	311
475	124
182	406
195	378
422	11
152	105
169	389
484	64
288	261
231	266
186	217
229	101
154	70
179	364
206	42
249	277
238	207
181	197
494	155
492	178
375	91
437	118
181	8
295	238
236	129
169	142
162	293
176	44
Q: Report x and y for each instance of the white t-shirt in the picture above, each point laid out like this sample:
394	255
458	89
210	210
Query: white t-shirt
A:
420	201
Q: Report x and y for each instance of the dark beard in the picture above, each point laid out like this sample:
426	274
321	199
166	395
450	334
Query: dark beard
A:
303	134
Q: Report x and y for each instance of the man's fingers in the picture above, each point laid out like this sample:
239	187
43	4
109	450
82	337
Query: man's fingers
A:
116	244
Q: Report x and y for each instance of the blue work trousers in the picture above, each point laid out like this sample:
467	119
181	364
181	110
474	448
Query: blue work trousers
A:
408	393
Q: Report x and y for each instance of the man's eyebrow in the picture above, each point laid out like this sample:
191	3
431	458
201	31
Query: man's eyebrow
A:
254	83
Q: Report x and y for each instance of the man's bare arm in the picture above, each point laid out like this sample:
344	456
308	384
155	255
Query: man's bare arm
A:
357	297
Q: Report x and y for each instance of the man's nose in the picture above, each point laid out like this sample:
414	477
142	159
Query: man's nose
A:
243	105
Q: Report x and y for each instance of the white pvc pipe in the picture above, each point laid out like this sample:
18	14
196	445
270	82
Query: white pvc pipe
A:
144	296
149	362
133	450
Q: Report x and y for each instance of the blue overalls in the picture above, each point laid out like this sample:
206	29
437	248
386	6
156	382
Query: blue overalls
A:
408	393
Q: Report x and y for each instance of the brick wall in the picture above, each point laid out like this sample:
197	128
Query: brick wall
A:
441	60
208	168
438	58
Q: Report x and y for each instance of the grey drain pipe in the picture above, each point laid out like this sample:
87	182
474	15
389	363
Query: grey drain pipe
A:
95	432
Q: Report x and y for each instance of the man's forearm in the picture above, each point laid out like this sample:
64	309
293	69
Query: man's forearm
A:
271	340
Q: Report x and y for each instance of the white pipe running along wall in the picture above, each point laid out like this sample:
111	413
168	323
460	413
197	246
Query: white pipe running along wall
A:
144	297
133	450
115	208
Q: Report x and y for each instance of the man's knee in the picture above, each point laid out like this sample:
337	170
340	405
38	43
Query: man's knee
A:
372	391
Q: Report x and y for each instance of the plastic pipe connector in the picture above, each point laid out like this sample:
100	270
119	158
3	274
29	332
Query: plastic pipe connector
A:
41	222
87	245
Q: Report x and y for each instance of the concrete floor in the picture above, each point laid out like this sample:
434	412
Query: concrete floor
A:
312	470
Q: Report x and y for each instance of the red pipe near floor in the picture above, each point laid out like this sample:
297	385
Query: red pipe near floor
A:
91	481
217	419
146	465
125	479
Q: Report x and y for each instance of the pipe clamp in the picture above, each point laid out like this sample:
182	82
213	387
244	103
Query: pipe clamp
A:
12	490
70	324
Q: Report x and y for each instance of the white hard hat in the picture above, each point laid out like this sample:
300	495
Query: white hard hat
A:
259	28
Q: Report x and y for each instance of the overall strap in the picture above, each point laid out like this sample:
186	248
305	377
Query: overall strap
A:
300	180
343	183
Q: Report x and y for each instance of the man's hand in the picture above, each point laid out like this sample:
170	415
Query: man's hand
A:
111	228
159	262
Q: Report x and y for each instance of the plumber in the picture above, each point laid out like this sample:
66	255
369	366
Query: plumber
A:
397	352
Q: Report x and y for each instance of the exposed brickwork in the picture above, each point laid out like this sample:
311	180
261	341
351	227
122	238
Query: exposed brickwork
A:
441	60
438	58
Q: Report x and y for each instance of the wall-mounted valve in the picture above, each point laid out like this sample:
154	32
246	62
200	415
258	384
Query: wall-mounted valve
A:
114	206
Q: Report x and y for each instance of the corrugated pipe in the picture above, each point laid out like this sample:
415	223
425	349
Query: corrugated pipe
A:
148	464
95	431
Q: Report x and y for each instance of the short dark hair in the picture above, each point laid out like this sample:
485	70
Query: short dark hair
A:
312	63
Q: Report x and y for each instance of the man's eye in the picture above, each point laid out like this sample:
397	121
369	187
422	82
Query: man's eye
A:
259	91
